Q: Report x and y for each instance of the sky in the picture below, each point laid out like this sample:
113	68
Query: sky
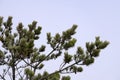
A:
93	17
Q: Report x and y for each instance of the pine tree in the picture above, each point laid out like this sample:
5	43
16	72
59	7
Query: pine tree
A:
20	59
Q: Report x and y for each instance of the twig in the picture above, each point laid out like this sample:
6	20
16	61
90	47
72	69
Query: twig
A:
29	64
19	73
60	71
62	65
6	72
2	77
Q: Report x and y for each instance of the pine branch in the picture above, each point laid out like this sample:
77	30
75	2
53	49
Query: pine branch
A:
59	71
46	57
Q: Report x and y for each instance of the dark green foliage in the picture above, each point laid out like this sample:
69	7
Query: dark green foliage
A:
29	72
65	78
25	61
67	57
42	48
69	44
79	69
96	52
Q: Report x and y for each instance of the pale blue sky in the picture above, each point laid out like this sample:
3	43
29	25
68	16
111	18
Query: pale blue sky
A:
94	18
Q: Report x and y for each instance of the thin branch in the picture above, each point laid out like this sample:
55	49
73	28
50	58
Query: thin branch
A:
60	71
19	73
2	77
22	66
49	54
17	62
29	64
6	72
62	65
35	67
43	59
10	75
67	72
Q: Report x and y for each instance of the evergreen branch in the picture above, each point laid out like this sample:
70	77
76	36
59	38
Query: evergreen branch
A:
35	67
59	71
46	56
